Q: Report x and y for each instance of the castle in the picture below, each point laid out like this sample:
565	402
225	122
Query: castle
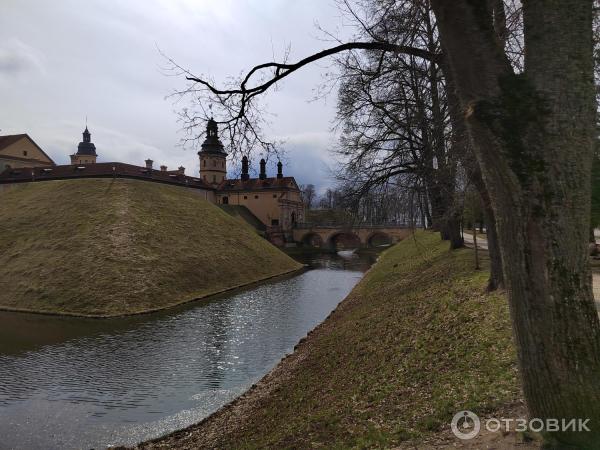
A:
272	204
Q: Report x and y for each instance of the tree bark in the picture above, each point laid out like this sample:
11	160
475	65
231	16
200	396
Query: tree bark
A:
499	13
532	135
437	206
476	248
496	280
452	229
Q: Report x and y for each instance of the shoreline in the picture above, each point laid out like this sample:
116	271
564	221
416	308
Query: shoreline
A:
207	296
261	388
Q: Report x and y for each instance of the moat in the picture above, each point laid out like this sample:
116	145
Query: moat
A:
81	383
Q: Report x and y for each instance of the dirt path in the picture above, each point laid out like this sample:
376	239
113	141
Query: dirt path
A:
482	244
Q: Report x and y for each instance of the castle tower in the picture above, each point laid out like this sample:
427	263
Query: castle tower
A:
213	164
86	150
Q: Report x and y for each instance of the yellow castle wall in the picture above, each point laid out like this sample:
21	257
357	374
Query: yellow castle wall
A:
272	207
212	168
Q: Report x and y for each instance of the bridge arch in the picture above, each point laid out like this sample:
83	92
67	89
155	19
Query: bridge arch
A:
379	239
312	239
344	240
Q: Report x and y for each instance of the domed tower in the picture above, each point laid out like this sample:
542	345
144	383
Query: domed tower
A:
213	164
86	150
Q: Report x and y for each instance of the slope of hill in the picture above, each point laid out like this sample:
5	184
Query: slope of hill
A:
104	247
242	213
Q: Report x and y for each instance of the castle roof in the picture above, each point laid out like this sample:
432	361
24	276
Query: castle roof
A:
256	184
86	147
8	140
212	143
100	170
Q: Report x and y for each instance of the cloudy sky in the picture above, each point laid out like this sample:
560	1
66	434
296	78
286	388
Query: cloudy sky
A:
63	60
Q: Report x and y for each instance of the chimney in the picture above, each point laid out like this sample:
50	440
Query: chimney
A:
245	175
279	170
149	164
163	168
263	169
181	170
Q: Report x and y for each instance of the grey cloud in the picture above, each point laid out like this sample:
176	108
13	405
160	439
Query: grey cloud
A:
18	58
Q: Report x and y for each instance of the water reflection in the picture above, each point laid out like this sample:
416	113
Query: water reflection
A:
77	383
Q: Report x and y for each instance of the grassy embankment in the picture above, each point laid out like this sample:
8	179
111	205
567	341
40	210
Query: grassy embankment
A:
105	247
416	341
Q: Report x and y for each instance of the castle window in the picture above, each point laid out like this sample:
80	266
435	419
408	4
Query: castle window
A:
214	163
274	222
24	152
225	200
214	178
204	162
245	197
274	195
256	196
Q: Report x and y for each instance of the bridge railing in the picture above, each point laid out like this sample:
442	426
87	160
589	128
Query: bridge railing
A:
308	225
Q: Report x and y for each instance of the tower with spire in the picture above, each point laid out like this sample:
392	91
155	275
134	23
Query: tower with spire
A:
213	159
86	150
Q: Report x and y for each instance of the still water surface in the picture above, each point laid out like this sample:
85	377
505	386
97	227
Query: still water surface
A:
79	383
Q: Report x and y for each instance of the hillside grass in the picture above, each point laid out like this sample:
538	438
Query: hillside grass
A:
105	247
242	213
417	340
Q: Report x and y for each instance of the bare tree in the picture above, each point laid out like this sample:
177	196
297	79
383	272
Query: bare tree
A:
308	195
393	113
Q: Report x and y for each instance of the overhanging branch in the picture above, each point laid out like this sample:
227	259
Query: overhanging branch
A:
282	70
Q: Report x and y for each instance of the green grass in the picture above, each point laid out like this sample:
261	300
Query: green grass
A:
242	213
417	340
328	217
110	247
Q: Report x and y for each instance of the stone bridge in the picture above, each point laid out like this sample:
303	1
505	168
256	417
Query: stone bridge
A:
349	236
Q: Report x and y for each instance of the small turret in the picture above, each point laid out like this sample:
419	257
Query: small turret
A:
279	170
263	169
245	176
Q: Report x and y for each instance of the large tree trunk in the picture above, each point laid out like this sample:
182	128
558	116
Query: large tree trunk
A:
445	172
496	280
532	135
438	209
452	230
